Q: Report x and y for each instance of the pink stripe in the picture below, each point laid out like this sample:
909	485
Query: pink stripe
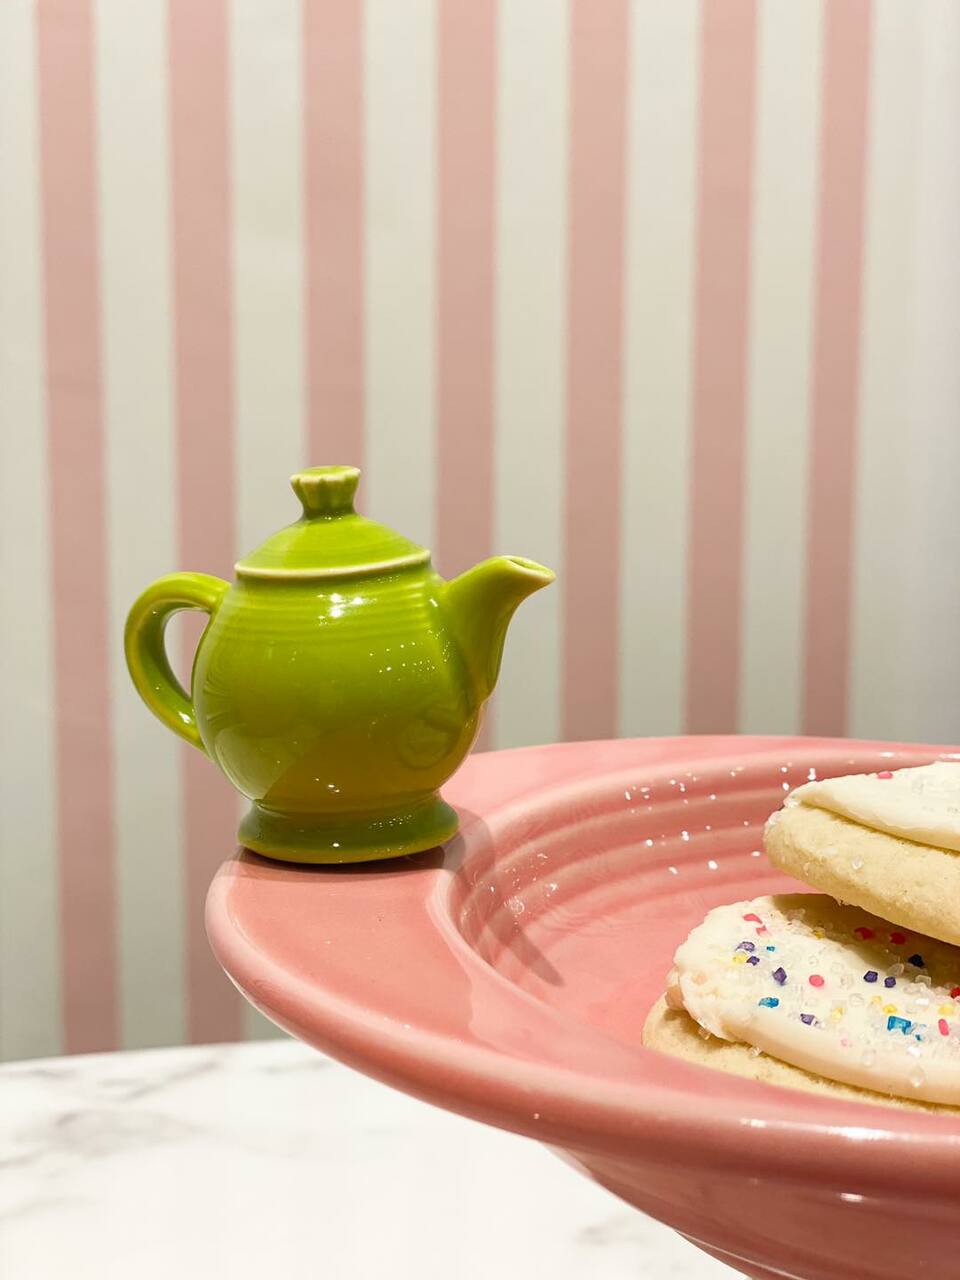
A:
728	50
466	114
78	527
836	363
202	288
333	140
598	37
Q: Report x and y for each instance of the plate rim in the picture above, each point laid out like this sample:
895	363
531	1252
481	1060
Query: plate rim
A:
775	1130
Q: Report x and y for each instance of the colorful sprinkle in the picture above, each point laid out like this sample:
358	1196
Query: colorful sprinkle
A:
944	1027
863	932
899	1024
871	975
754	918
753	959
886	775
761	930
738	958
889	1008
889	982
746	946
916	961
808	1019
780	975
769	948
948	1009
898	938
954	992
768	1002
815	980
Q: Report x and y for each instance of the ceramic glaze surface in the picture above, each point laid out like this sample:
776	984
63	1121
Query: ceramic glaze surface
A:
340	680
508	978
296	705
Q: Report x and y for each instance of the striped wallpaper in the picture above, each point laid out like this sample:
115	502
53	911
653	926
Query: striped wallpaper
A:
664	293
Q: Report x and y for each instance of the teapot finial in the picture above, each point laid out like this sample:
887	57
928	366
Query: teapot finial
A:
326	491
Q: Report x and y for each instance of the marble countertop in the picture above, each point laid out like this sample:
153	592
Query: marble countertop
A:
268	1159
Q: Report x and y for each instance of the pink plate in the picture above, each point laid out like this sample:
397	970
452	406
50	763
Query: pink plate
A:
508	976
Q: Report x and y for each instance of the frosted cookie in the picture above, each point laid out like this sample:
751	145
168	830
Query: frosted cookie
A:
889	842
673	1031
828	989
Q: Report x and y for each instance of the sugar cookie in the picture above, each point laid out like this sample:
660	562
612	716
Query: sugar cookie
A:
913	884
673	1031
829	989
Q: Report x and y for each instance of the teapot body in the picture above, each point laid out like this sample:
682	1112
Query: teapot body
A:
337	706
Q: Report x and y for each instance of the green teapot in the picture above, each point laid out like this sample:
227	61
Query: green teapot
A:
339	681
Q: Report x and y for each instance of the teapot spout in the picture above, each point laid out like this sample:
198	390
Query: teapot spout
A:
480	604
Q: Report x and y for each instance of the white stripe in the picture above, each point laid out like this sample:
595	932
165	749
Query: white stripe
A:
266	120
266	76
29	875
531	242
935	466
400	138
781	308
882	700
257	1027
133	169
661	202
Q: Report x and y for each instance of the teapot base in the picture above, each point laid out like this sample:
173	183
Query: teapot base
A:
338	838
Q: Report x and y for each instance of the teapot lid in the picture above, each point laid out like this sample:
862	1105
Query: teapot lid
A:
330	540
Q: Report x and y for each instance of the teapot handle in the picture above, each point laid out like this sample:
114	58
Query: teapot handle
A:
146	655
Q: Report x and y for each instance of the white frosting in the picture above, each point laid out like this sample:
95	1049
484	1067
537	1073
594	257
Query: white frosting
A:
878	1014
920	804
